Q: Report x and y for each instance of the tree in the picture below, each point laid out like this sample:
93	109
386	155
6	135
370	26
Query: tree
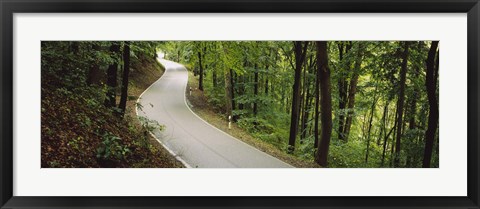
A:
201	73
300	50
214	70
255	90
343	50
228	92
400	104
386	135
353	90
372	112
273	91
307	97
316	131
431	84
323	73
112	75
126	71
228	80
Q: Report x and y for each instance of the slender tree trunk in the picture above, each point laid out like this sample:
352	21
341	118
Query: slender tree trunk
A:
214	69
383	129
392	147
300	50
352	91
112	77
126	71
431	83
241	90
343	48
326	104
341	95
266	76
369	130
412	113
228	92
316	131
370	121
302	105
200	79
214	78
255	91
232	89
303	135
266	86
306	98
401	101
384	133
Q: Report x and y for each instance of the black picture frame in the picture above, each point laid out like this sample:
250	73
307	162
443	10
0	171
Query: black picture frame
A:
9	7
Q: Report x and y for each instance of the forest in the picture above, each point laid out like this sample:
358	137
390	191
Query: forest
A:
338	104
88	93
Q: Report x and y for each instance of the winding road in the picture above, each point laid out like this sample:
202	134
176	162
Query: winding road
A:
188	137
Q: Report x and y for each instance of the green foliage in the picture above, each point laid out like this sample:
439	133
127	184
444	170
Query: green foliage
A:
112	148
349	155
273	62
150	125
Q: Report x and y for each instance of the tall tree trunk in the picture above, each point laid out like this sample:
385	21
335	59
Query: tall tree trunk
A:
255	91
306	129
343	48
126	71
392	145
306	107
316	131
385	142
200	79
266	75
214	71
372	111
304	103
241	90
266	86
228	92
112	76
326	104
401	101
341	95
353	90
232	90
431	83
300	50
412	125
384	126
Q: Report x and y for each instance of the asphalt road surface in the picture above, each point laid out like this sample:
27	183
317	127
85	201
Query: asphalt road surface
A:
192	140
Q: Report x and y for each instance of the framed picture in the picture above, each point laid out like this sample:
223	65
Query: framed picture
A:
237	104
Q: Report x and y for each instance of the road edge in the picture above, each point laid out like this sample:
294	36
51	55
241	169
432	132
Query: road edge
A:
188	106
151	133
